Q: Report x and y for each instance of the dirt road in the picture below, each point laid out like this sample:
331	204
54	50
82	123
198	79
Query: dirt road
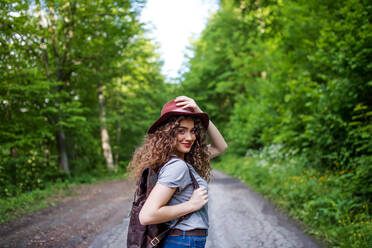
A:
97	218
75	222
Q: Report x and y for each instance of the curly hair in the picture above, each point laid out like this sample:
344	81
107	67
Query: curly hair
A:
158	147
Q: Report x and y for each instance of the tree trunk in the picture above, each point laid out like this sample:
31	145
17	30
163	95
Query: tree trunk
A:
61	143
104	133
117	145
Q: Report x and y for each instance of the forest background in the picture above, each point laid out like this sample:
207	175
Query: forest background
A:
288	83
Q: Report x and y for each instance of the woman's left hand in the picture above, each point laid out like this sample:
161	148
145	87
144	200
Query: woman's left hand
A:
187	102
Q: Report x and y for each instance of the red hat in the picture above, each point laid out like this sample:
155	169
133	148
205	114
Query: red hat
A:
170	109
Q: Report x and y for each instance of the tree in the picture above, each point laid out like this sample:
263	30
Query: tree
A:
55	56
295	73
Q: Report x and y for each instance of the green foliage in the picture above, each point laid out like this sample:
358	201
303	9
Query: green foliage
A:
286	72
322	200
54	58
295	75
136	98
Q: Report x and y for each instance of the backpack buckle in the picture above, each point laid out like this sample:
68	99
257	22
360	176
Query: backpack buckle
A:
155	241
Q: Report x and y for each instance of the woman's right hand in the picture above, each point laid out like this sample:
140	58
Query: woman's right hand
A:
199	198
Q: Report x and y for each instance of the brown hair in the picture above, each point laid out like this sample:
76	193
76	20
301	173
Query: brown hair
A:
158	147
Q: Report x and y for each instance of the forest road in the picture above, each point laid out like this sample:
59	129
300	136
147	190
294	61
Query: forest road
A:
98	218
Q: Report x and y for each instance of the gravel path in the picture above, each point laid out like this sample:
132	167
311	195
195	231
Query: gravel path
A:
239	218
97	218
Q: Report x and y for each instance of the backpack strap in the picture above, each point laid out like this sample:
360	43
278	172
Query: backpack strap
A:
194	182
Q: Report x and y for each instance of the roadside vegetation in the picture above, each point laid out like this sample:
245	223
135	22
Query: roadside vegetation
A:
322	200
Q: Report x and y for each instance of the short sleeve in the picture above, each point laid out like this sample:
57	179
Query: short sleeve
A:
174	174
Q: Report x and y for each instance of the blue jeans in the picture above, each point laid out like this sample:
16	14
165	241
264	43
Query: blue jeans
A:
184	241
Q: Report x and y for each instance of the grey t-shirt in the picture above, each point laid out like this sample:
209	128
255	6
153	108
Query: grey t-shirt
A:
175	174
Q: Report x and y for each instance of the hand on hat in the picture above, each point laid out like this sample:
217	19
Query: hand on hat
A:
187	102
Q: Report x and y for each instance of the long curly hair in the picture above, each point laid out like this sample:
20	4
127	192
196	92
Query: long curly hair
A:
158	147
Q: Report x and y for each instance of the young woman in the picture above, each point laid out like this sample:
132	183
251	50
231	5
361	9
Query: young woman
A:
174	145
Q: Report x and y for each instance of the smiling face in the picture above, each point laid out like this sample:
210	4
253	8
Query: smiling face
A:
185	136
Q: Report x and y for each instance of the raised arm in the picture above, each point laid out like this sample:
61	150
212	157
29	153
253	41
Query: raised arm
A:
218	144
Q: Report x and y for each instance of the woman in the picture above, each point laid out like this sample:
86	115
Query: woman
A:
175	144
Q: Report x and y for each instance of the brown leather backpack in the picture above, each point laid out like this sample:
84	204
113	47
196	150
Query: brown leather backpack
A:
149	236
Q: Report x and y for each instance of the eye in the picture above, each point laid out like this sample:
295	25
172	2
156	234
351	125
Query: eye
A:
193	131
181	131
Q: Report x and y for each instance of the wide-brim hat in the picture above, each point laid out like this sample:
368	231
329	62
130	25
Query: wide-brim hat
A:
170	109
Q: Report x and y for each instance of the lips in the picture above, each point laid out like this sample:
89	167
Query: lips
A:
187	145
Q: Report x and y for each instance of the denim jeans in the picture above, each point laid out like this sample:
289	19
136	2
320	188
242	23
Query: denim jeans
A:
184	241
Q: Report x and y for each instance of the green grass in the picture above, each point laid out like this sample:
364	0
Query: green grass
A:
28	202
16	206
321	200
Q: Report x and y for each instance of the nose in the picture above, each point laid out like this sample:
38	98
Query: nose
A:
188	136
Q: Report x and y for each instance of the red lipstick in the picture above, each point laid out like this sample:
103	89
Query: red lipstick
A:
188	145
